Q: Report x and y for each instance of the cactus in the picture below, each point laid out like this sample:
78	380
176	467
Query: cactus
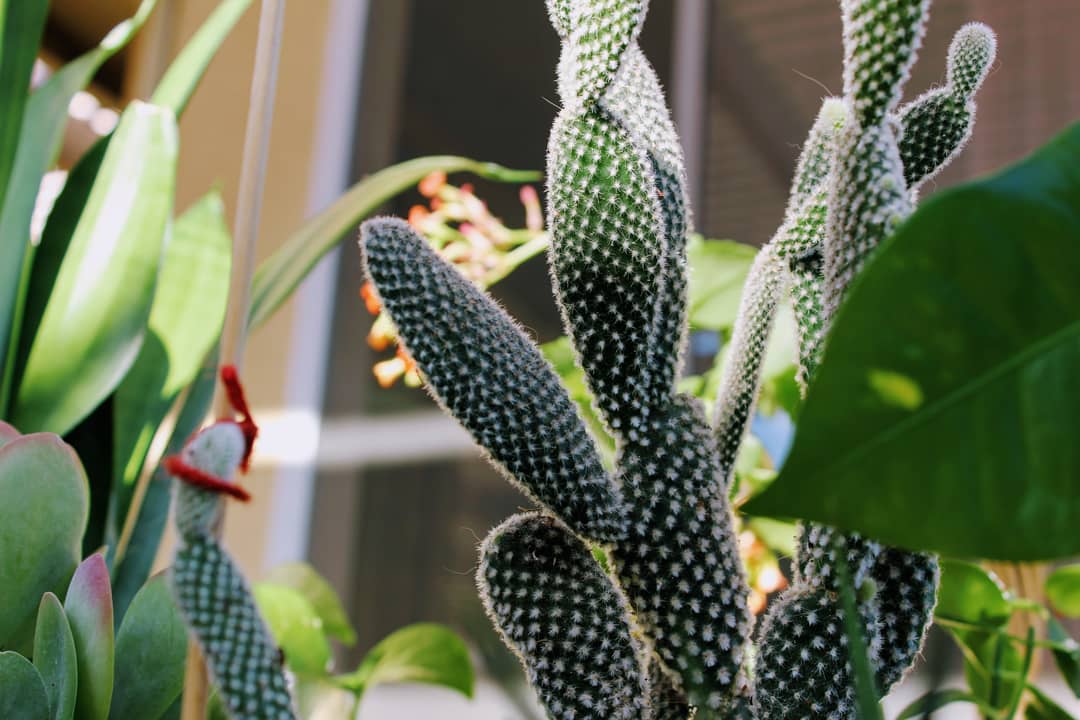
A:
666	635
244	662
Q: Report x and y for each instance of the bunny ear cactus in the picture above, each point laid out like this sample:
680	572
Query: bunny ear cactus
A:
245	664
665	635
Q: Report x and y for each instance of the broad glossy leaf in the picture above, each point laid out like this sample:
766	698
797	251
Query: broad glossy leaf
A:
316	590
55	658
44	502
151	649
39	143
1063	590
282	272
718	270
422	653
131	571
1068	658
970	594
944	415
89	610
94	321
185	322
322	699
296	628
22	692
933	701
183	76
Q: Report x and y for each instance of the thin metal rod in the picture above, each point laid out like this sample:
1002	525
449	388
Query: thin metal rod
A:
245	232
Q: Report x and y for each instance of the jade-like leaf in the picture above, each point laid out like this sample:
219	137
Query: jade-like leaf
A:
44	502
94	320
282	272
183	76
1063	590
22	692
55	657
970	594
316	590
151	649
7	433
89	610
718	270
421	653
296	627
46	117
944	414
185	321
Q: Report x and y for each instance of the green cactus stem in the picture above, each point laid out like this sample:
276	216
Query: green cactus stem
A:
245	664
480	366
566	620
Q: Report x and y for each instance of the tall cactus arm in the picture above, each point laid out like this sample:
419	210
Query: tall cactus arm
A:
480	366
596	34
680	563
245	664
608	261
565	619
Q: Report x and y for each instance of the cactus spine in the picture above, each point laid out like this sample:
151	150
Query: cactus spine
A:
665	634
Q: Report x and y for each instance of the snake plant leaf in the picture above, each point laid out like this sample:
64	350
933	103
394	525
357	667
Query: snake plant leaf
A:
954	431
22	691
151	649
44	503
94	319
282	272
185	321
55	657
46	117
21	25
88	606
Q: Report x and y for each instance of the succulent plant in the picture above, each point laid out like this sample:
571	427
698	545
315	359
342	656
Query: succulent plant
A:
663	631
245	663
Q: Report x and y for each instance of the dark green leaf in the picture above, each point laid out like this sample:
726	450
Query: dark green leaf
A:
151	649
39	143
183	76
1067	658
94	320
296	628
22	692
185	322
88	606
970	594
422	653
718	273
944	415
44	504
55	658
935	700
316	590
282	272
1063	590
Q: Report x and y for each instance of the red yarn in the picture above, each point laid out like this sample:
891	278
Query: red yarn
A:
235	392
192	475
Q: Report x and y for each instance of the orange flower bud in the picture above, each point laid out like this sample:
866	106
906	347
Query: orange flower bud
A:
432	184
371	302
